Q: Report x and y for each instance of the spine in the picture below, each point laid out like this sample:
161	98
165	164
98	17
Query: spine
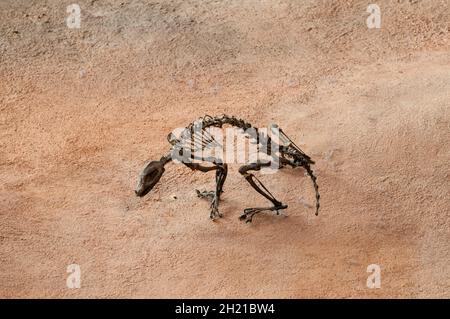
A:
219	121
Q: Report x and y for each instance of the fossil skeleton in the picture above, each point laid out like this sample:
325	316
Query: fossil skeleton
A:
197	136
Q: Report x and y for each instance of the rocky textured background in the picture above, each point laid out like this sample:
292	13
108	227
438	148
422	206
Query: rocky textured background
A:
81	111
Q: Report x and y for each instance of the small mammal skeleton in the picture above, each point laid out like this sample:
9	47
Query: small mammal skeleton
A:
289	154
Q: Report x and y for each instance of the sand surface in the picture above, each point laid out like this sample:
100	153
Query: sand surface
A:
82	110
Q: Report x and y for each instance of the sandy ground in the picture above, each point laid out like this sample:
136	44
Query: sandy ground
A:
83	109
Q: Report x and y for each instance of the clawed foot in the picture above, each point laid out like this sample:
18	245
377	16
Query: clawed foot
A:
206	194
215	214
250	212
211	195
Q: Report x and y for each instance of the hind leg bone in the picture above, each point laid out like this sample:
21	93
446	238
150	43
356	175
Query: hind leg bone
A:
252	180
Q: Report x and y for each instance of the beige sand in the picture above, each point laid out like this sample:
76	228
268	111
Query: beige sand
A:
83	109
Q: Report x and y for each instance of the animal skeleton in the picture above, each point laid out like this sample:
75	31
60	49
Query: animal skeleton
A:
197	137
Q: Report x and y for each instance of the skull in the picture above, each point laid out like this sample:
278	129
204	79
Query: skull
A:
149	177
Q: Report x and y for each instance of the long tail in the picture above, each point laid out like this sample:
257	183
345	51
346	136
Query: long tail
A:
316	187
